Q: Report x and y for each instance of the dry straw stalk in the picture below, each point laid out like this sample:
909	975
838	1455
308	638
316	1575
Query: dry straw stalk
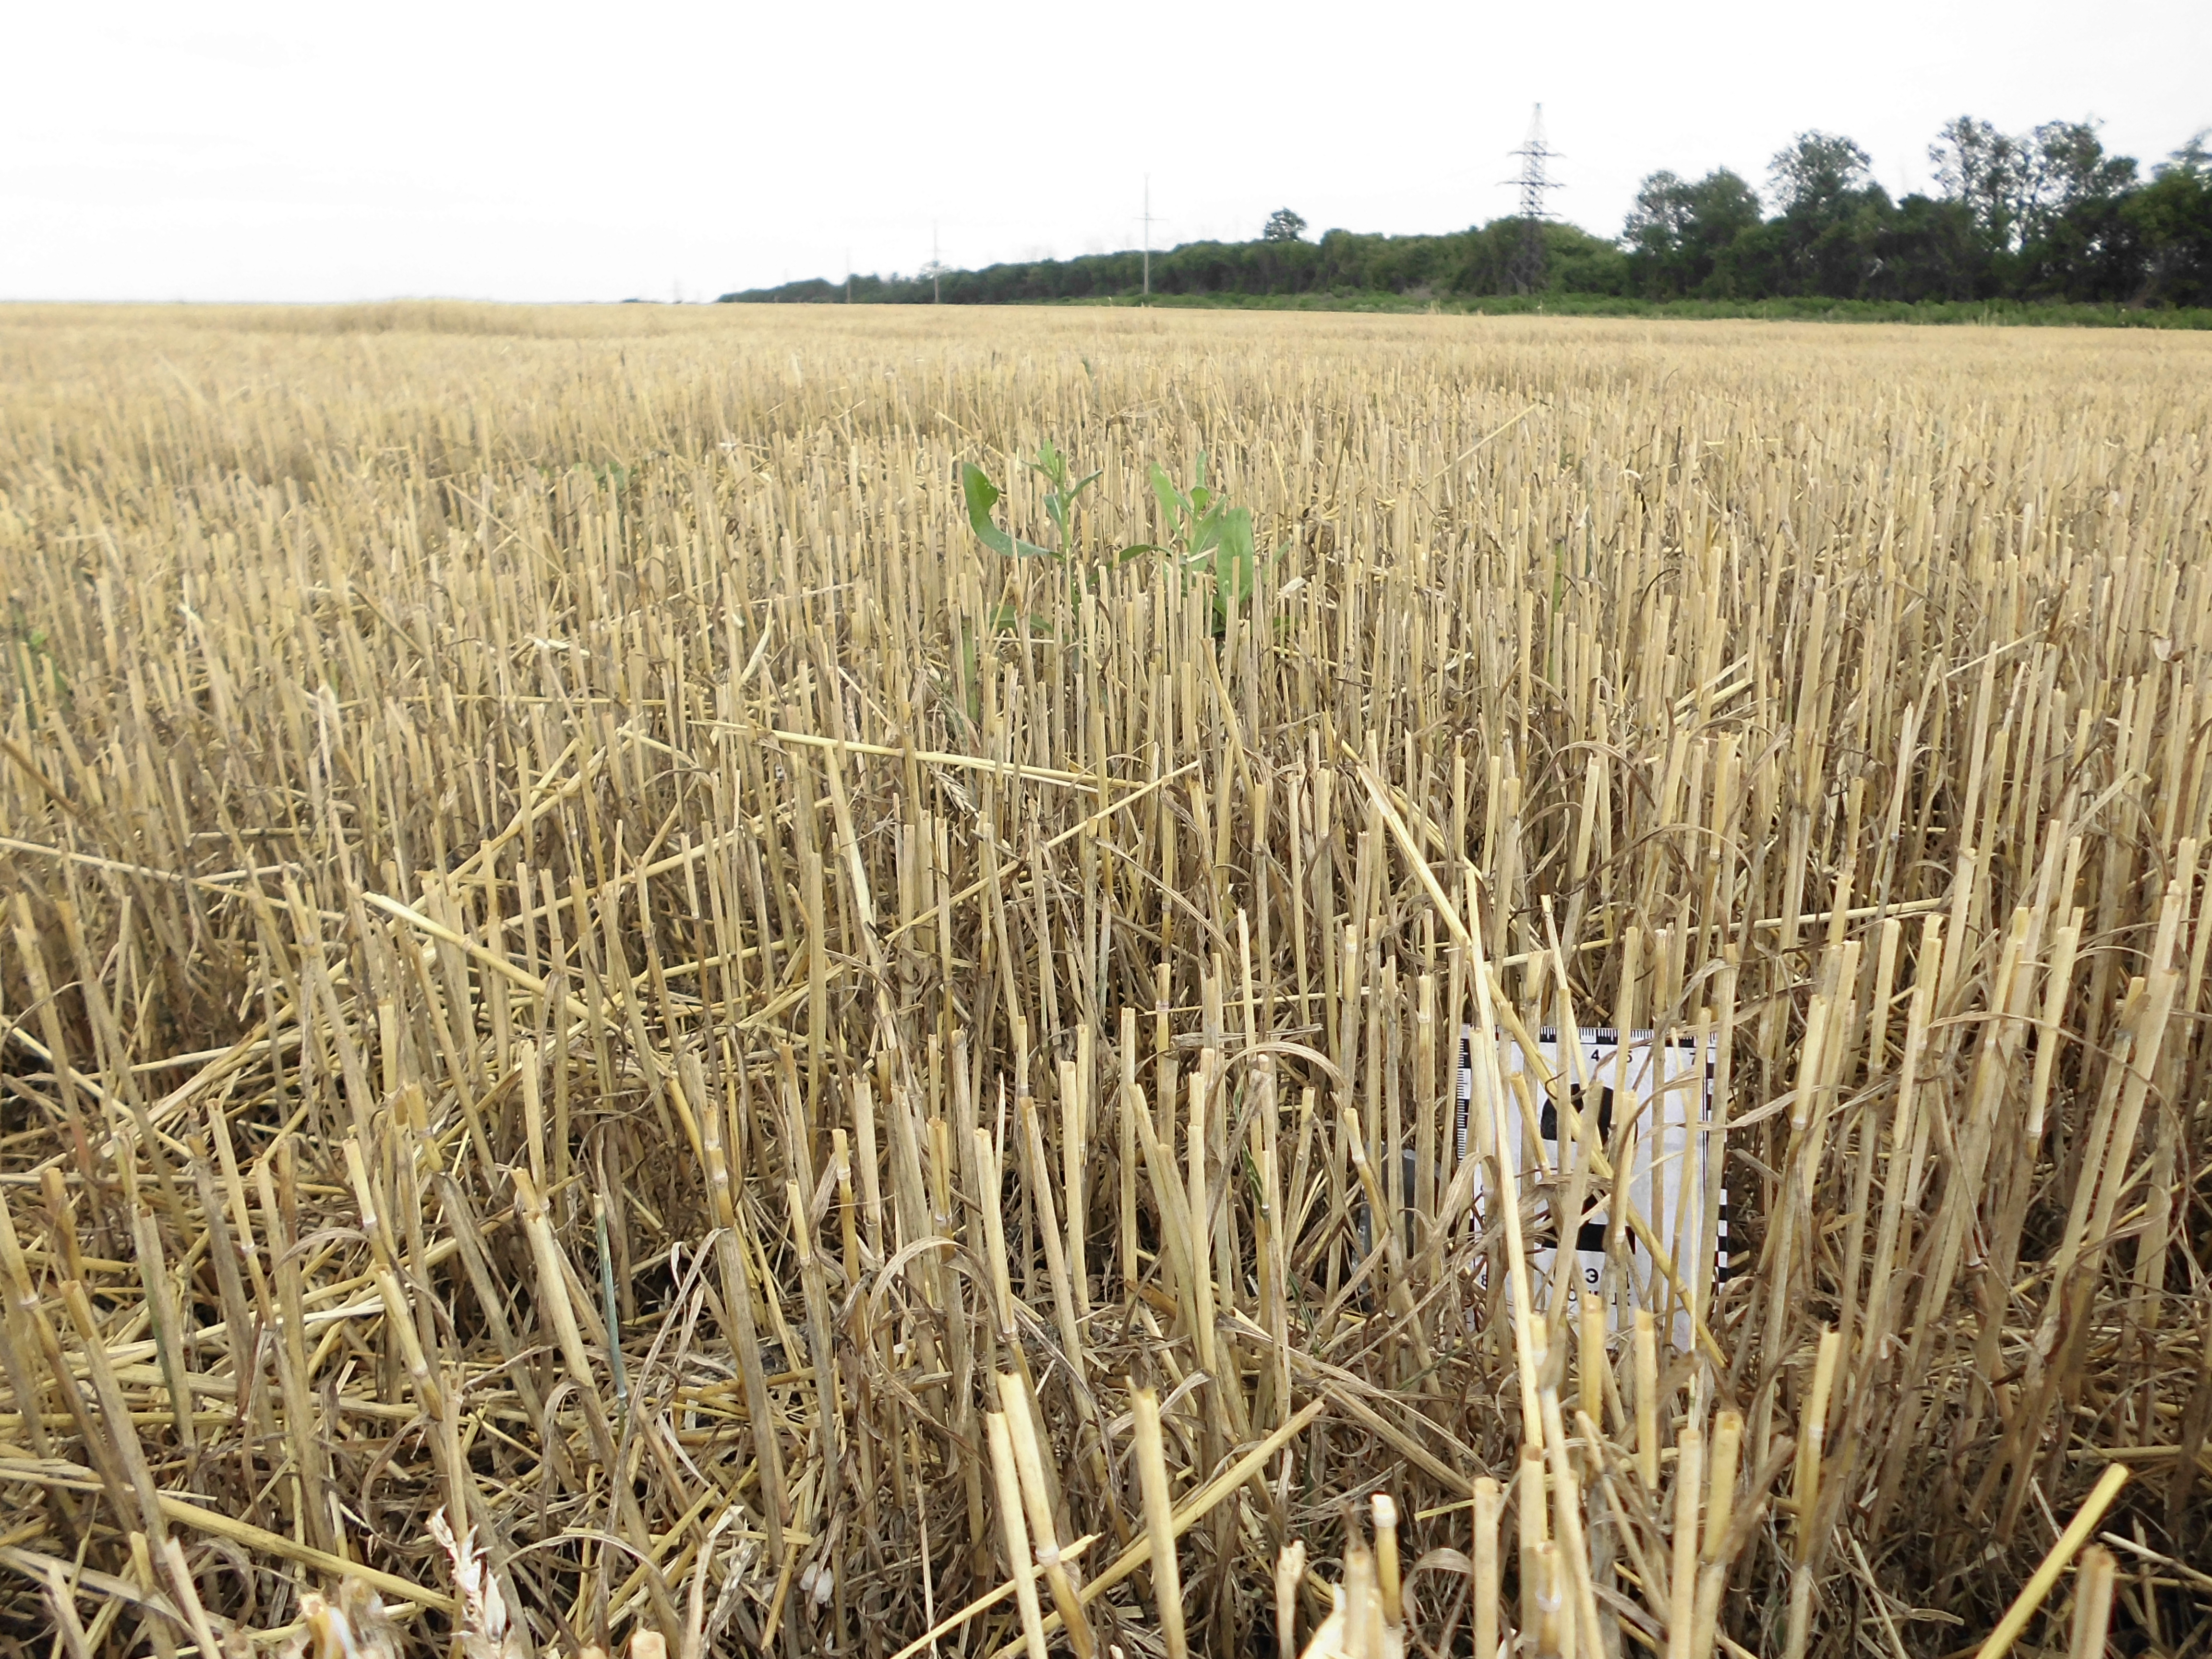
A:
579	953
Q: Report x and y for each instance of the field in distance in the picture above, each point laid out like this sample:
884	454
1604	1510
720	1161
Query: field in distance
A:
670	931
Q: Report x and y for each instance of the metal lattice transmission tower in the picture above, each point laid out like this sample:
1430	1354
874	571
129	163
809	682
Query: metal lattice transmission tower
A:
1526	274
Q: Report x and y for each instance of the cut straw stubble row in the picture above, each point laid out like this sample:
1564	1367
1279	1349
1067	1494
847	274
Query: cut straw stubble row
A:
611	760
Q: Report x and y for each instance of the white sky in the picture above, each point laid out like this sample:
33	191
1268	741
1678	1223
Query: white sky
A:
331	151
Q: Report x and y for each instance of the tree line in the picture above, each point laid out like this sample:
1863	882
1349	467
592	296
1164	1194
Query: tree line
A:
2046	216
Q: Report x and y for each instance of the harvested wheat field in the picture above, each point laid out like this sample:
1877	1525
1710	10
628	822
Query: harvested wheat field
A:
637	1010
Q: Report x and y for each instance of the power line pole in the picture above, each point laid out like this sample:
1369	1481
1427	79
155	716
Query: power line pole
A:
1527	272
1148	236
936	269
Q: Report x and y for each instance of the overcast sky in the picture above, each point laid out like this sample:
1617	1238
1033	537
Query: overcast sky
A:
336	151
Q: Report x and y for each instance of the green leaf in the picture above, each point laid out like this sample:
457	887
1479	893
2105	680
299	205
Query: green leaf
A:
1050	462
1059	502
1237	535
981	496
1175	506
1232	561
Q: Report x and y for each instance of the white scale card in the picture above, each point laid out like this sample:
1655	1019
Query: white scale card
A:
1667	1176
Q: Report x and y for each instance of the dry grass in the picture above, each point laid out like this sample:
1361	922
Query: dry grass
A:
582	956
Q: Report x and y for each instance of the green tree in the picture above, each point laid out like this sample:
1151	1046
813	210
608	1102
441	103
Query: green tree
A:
2063	167
2020	187
1928	249
2047	214
1817	176
2173	215
2088	249
1825	240
1678	230
1979	168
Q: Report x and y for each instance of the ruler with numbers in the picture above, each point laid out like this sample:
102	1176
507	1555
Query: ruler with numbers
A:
1646	1102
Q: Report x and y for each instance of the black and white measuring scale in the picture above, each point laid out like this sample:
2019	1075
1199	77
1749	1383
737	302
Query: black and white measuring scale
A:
1671	1087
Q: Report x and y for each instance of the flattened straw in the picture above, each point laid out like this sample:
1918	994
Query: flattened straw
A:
63	1599
179	1573
983	1604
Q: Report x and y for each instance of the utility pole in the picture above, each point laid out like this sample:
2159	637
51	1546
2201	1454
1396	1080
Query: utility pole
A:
1527	272
936	269
1148	236
848	275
